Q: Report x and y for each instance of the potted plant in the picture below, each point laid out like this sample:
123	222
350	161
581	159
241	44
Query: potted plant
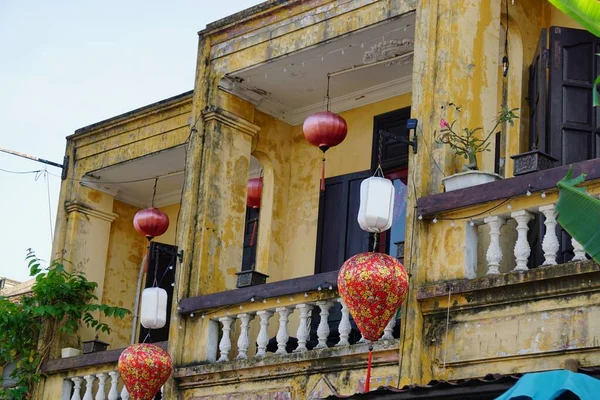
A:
467	143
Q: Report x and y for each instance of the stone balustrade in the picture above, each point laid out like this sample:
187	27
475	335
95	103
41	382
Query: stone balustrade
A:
99	386
508	238
277	318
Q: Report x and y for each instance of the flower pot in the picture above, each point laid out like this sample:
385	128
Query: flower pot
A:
468	179
532	161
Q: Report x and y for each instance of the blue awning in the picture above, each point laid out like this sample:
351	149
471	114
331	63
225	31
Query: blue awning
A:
550	385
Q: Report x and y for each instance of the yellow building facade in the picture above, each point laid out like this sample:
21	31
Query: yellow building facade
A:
260	73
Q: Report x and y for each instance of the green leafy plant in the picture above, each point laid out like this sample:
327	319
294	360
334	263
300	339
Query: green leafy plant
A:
587	13
59	302
579	213
465	142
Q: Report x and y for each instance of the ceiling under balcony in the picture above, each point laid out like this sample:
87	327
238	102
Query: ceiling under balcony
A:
367	66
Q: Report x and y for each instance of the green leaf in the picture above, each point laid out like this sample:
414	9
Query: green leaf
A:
579	214
586	12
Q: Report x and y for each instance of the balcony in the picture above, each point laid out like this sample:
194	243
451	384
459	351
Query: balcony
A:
296	324
87	376
512	291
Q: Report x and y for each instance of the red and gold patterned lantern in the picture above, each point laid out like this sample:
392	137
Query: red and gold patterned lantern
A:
255	186
324	129
144	368
151	222
373	286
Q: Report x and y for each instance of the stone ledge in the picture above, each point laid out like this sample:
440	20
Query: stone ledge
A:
316	361
542	282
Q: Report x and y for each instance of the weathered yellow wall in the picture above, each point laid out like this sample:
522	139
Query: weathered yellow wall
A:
352	155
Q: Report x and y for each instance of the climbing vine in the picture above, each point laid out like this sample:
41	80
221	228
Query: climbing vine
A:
59	302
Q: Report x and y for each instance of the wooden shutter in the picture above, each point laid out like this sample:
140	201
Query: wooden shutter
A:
538	101
394	153
338	235
249	254
574	122
162	257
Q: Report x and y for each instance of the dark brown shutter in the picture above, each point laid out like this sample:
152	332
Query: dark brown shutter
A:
339	236
249	253
538	101
574	122
162	257
394	153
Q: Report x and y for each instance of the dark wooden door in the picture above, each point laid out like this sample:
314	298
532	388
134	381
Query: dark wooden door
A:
574	122
339	236
538	100
161	273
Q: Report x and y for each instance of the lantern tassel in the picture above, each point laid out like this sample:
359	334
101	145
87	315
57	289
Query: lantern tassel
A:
253	233
323	176
368	380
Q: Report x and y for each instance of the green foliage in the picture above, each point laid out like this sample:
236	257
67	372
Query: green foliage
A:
58	303
586	12
466	142
579	214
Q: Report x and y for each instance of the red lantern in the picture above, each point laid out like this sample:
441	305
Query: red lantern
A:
151	222
324	129
255	186
144	368
373	286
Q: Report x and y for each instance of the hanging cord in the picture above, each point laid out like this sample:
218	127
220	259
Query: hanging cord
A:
369	363
154	190
447	325
505	58
328	99
324	149
49	205
375	238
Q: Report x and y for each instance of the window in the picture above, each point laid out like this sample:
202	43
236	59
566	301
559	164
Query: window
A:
563	122
161	265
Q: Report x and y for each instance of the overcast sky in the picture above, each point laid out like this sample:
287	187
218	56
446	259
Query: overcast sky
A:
68	64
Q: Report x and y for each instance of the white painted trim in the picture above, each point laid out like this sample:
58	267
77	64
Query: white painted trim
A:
84	209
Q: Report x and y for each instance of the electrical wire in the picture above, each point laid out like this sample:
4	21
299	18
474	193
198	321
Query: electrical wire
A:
21	172
49	206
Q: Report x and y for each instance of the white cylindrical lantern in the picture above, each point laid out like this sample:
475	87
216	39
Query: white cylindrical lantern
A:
154	308
376	204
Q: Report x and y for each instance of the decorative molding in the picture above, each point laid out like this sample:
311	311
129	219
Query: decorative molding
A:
87	210
388	49
264	102
230	119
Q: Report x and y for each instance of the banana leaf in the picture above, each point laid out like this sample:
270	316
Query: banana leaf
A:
586	12
579	214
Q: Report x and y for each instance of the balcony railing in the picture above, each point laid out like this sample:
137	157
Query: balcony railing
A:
508	225
286	318
91	376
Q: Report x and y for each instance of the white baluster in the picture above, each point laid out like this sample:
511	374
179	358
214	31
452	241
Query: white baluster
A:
282	333
113	393
225	344
263	334
550	243
578	250
323	328
494	252
101	395
363	340
522	249
67	389
303	331
243	340
125	394
76	388
344	327
388	331
89	387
